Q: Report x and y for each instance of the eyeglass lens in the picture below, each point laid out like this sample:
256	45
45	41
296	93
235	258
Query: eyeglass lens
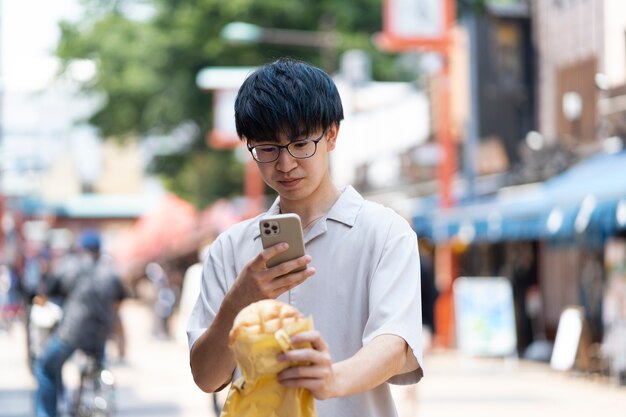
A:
300	149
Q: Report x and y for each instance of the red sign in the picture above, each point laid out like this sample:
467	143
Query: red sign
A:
224	134
415	24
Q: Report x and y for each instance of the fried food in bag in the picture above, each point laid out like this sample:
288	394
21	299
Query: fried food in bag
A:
259	334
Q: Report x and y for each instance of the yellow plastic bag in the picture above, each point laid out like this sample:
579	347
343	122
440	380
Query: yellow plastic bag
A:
260	333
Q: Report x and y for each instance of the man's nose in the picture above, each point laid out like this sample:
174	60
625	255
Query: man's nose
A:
285	161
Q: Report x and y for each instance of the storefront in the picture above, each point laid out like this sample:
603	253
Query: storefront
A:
549	239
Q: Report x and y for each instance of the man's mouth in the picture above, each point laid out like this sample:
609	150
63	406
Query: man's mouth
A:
289	182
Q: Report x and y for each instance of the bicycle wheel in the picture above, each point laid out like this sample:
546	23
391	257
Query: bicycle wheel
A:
104	400
95	396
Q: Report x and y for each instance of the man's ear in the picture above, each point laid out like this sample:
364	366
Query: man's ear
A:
331	136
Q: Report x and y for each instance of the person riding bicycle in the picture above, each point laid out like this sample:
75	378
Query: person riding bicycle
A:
88	319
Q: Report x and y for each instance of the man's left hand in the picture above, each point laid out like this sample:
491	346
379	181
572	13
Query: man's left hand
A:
317	376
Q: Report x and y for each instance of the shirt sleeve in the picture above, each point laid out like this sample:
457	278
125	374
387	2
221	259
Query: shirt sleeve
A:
395	295
212	291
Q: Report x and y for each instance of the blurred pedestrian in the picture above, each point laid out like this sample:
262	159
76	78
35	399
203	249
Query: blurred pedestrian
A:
520	267
11	296
36	266
88	318
591	288
164	301
49	285
428	288
65	272
361	278
9	301
189	294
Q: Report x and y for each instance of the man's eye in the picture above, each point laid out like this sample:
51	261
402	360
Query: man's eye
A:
300	144
266	149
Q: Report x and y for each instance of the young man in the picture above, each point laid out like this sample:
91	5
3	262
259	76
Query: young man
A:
362	280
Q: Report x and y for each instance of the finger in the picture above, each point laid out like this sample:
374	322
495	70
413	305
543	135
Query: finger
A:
309	383
315	385
289	281
313	337
267	254
308	355
290	266
303	372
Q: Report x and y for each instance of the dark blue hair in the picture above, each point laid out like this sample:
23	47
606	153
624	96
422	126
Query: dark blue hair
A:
289	97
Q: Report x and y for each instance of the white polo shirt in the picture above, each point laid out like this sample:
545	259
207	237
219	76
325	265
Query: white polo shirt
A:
367	284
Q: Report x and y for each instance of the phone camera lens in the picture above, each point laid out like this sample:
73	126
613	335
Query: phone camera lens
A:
274	228
268	231
266	224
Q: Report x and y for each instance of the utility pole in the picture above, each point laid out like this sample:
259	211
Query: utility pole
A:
427	25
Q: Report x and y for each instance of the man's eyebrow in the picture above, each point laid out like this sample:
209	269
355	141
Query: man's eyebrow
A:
303	133
257	142
269	138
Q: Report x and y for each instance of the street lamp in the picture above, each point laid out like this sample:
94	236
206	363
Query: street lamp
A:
250	34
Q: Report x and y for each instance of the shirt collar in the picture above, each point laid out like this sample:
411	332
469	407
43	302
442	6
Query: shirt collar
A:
345	209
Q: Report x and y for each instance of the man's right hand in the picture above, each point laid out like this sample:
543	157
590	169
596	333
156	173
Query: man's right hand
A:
257	281
212	362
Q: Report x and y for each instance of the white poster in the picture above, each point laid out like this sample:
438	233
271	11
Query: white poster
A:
485	317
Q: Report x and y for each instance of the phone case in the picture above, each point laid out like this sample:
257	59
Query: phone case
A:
283	228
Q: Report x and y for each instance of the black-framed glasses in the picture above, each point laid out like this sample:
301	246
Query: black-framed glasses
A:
300	149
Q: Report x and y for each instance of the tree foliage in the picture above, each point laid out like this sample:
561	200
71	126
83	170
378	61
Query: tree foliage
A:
148	53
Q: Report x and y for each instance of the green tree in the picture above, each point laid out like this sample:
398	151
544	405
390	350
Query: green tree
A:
148	53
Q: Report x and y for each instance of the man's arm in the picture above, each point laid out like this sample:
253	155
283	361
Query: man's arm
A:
385	356
212	361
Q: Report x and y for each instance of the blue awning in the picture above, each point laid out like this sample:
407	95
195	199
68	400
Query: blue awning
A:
107	205
587	200
89	205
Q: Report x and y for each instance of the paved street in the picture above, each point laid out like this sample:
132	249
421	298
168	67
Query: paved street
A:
155	381
455	386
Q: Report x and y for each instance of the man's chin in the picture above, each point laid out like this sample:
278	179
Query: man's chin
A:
291	193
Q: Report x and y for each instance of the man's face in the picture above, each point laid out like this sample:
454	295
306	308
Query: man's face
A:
298	179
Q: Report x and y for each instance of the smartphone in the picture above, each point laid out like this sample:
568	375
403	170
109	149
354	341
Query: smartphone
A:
283	228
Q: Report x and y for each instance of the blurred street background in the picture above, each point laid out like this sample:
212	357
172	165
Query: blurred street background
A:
495	127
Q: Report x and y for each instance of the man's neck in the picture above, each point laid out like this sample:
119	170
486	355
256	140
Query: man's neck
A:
312	209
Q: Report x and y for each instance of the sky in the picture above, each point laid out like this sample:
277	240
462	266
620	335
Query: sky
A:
37	118
29	34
